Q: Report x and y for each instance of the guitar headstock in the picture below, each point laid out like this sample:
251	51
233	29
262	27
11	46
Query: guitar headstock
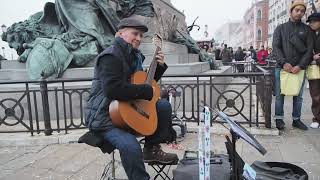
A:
157	40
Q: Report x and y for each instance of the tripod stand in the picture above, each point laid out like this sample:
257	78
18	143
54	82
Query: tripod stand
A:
172	98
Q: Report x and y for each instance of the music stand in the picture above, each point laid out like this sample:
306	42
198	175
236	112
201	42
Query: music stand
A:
237	131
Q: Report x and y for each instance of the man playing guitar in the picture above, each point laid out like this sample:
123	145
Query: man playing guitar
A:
113	70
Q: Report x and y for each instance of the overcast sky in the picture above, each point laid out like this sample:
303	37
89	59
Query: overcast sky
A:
214	13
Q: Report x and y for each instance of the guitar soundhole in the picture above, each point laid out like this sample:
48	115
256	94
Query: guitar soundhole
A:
139	110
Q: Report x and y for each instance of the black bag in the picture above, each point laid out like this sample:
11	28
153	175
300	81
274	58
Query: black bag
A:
188	167
298	43
278	170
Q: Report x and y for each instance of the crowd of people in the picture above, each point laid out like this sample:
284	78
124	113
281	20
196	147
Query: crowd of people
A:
227	54
296	46
242	56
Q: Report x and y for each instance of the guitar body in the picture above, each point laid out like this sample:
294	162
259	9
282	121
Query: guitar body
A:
138	115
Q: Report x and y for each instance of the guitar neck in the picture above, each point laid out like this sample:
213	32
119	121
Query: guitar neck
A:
153	67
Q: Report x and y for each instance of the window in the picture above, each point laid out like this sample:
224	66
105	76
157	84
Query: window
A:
259	38
259	15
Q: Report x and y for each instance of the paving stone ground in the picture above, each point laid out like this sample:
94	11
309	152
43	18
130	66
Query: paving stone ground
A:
79	161
61	160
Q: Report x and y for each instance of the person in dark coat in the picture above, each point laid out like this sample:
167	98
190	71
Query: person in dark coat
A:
114	67
253	53
239	56
226	55
217	53
292	49
314	85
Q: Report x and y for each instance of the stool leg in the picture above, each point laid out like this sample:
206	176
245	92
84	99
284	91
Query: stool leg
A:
112	165
160	172
158	169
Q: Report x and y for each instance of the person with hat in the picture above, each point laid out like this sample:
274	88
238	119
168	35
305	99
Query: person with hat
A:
292	49
314	85
113	69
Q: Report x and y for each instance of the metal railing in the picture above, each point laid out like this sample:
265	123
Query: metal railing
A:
264	92
240	66
58	105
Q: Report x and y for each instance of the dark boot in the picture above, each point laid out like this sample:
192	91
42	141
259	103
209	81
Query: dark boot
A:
155	154
280	124
299	124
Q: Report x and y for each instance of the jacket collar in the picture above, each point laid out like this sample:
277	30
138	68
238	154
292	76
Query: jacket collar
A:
294	23
125	46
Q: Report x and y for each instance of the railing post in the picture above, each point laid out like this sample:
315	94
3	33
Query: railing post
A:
45	106
267	100
254	69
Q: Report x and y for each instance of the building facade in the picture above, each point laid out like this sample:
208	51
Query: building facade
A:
256	25
237	37
224	34
309	7
278	14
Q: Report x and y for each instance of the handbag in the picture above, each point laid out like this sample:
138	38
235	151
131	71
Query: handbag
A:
313	71
297	43
290	84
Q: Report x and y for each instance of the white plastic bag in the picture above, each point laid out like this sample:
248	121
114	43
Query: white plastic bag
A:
291	83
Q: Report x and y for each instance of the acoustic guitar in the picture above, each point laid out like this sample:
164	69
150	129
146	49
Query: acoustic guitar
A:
139	115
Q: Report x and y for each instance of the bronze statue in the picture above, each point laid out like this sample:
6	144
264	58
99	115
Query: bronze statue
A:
74	32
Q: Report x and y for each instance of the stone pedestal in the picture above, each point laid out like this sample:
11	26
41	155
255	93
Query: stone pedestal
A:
177	58
166	21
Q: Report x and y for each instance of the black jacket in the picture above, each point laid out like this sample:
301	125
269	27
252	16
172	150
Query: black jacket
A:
293	43
114	67
253	54
239	55
226	55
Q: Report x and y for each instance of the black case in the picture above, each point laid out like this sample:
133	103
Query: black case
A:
188	167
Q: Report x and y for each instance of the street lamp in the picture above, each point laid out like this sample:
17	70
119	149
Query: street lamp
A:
206	31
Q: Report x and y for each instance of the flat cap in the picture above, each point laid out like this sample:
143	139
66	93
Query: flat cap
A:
133	23
314	17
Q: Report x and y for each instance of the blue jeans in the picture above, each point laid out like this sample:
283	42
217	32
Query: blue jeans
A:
129	147
297	100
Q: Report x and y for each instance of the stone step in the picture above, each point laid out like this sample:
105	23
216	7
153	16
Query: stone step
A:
13	74
188	68
175	58
167	48
170	58
174	69
12	64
